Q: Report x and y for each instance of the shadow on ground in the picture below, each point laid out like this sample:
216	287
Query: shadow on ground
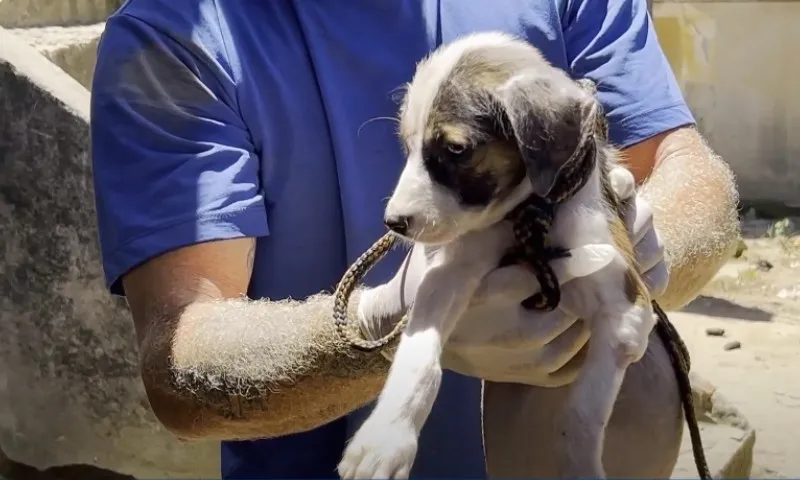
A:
718	307
11	470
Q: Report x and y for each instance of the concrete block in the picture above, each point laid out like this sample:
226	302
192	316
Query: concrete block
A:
74	49
728	439
70	391
41	13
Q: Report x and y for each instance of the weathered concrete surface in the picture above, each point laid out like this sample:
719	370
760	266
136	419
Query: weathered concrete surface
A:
74	49
69	386
741	88
40	13
728	439
10	470
760	378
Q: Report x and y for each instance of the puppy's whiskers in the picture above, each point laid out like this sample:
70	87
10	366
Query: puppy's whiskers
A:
398	93
391	119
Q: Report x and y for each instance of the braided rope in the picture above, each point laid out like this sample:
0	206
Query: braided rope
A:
344	291
681	364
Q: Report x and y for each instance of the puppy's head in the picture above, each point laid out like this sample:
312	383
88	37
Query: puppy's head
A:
485	122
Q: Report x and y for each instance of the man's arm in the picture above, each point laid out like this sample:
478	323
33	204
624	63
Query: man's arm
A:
690	189
217	365
179	205
694	199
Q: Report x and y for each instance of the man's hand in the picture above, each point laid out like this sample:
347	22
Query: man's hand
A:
648	245
497	339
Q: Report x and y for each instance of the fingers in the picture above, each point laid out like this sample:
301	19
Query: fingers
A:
534	329
569	371
657	279
650	257
563	348
638	218
649	251
554	364
648	246
515	283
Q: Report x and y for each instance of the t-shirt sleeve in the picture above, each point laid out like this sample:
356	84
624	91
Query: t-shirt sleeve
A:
173	161
613	43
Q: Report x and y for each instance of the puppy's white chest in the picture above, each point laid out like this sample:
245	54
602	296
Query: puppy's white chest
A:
479	250
577	225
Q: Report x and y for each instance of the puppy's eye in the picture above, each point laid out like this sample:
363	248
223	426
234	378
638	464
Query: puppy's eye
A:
456	149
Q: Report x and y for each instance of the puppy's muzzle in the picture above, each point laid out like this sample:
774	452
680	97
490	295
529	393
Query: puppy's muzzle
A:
399	224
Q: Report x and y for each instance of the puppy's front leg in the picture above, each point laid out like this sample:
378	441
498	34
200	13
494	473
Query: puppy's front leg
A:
620	325
386	444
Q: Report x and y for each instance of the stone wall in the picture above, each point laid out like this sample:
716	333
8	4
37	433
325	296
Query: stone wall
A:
735	61
65	31
70	391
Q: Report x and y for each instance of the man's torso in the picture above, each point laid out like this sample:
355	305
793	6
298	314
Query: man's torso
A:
318	85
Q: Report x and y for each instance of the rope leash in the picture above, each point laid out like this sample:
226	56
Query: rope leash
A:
354	274
531	223
681	363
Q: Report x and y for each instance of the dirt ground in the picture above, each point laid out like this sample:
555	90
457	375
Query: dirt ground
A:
755	301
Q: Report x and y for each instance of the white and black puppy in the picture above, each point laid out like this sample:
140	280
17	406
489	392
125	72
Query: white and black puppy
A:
486	122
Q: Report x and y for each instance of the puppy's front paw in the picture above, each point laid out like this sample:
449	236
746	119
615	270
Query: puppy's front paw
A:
380	450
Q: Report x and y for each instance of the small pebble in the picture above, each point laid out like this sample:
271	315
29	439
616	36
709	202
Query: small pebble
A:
734	345
715	332
764	265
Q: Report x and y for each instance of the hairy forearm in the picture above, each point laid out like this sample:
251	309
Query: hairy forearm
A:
240	369
694	199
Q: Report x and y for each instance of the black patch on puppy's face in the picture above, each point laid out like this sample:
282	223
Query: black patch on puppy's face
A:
452	166
466	150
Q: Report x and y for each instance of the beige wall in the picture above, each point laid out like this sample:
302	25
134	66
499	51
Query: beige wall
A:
739	68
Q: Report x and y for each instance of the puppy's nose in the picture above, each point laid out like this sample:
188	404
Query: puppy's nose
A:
397	224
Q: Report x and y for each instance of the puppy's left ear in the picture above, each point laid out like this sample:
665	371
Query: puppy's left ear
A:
548	114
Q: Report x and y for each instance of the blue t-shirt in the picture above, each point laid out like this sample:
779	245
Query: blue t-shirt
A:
254	118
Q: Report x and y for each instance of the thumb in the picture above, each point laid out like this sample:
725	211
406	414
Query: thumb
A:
515	283
638	218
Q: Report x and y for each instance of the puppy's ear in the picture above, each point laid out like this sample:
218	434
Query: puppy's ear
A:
601	123
587	85
547	114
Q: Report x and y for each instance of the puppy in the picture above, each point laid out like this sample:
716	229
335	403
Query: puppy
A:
486	122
